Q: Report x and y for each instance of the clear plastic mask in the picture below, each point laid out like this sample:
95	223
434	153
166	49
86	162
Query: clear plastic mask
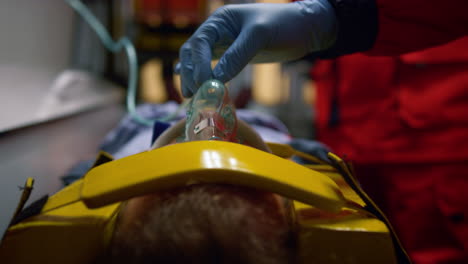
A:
211	114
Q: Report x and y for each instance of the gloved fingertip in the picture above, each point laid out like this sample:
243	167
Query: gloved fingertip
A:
186	94
177	68
202	74
219	74
187	91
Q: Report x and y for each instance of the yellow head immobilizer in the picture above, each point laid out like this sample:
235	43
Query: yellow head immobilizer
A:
337	222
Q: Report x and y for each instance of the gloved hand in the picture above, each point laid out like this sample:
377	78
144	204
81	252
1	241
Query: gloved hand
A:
239	34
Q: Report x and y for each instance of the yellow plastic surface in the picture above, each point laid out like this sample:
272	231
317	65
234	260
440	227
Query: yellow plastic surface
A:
349	236
208	161
68	231
68	195
344	238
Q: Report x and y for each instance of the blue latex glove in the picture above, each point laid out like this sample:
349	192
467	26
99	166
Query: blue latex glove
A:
239	34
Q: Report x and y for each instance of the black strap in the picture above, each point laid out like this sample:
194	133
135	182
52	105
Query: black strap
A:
33	209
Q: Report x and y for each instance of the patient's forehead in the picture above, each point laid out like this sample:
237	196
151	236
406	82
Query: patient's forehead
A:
136	207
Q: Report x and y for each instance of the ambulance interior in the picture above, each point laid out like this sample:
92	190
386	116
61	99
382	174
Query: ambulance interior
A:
62	91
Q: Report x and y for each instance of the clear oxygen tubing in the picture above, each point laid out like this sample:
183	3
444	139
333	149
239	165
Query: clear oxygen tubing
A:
122	43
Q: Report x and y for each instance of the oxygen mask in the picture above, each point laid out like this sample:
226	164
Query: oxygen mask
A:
211	115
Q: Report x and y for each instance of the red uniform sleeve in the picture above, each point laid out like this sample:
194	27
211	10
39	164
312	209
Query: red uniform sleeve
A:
395	27
410	25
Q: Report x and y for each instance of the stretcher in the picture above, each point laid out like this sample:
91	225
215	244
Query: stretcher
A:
336	221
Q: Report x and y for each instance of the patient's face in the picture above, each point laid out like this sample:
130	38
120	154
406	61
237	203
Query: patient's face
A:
135	206
206	222
244	135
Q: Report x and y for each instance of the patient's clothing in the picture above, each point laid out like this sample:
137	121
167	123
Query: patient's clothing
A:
128	129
